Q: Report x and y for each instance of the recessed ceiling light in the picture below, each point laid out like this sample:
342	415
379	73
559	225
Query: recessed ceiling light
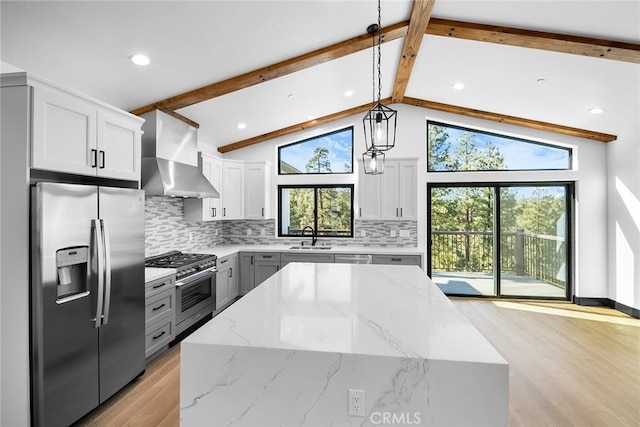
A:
596	110
291	95
241	126
348	93
541	81
458	86
140	59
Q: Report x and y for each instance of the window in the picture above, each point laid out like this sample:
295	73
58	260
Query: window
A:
331	153
453	148
326	208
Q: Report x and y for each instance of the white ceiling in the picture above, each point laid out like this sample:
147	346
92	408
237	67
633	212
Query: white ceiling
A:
85	45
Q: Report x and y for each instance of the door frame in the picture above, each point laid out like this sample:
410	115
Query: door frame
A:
497	185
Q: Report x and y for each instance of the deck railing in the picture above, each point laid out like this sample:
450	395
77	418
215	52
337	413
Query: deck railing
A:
523	254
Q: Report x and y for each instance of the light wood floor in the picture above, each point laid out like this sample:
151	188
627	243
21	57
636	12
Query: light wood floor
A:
568	365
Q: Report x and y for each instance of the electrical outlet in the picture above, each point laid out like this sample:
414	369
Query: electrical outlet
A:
263	232
363	233
356	403
404	233
393	233
215	232
248	232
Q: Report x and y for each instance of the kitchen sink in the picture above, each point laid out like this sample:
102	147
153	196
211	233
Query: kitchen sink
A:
311	247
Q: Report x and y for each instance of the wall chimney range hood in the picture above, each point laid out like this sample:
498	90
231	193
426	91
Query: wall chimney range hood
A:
170	158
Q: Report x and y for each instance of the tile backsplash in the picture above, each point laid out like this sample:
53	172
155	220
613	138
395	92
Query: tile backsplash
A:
166	230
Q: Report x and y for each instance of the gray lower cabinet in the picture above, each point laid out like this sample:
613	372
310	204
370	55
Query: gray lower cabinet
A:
397	259
266	265
226	280
246	269
160	317
306	257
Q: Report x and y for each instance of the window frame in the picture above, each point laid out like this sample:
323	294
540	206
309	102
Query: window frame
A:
514	138
316	187
280	148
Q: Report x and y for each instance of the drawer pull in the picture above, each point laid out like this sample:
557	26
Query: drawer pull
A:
223	261
158	307
396	259
160	285
159	335
267	256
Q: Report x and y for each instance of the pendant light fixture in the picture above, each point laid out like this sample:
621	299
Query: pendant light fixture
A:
379	122
373	161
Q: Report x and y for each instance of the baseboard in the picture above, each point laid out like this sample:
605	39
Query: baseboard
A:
606	302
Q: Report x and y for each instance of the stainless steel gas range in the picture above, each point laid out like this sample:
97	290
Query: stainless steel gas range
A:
195	284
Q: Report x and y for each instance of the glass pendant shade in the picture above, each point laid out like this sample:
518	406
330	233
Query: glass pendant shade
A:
380	128
373	161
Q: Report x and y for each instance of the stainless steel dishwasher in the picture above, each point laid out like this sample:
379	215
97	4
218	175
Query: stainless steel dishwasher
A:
352	259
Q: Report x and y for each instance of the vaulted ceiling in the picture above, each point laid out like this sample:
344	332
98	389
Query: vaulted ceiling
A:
282	66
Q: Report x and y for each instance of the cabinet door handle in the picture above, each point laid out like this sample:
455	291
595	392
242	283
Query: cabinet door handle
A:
263	212
159	335
223	261
213	212
396	211
160	285
277	268
360	211
158	307
224	211
102	161
94	158
251	259
400	211
231	272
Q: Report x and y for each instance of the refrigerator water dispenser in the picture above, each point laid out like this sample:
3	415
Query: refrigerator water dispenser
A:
73	267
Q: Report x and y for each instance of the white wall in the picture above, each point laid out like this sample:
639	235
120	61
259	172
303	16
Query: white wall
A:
590	177
623	180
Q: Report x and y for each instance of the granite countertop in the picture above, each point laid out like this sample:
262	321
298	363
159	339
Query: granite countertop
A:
153	273
382	310
224	250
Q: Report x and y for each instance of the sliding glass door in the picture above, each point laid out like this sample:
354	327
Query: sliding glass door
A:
506	240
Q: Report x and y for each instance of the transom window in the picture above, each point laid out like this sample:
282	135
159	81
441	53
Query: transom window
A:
330	153
454	148
327	209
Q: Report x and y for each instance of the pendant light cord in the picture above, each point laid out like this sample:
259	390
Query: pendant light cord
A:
379	51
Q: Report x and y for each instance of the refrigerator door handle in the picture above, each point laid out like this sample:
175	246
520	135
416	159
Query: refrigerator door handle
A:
107	272
95	226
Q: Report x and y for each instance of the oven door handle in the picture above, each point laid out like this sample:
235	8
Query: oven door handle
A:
197	276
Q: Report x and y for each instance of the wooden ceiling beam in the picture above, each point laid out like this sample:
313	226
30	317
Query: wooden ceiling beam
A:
576	45
418	22
261	75
299	127
512	120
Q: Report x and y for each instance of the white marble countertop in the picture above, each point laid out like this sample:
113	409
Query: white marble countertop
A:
351	309
153	273
224	250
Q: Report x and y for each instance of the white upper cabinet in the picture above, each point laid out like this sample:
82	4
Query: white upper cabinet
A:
258	190
232	189
75	135
392	195
368	195
118	146
206	209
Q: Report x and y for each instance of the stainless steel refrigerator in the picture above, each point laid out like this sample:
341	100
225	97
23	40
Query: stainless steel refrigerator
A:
87	293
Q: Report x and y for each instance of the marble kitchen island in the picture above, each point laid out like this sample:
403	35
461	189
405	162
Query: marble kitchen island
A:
288	352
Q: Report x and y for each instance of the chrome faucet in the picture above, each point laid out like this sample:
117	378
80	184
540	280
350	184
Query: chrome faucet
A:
314	238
